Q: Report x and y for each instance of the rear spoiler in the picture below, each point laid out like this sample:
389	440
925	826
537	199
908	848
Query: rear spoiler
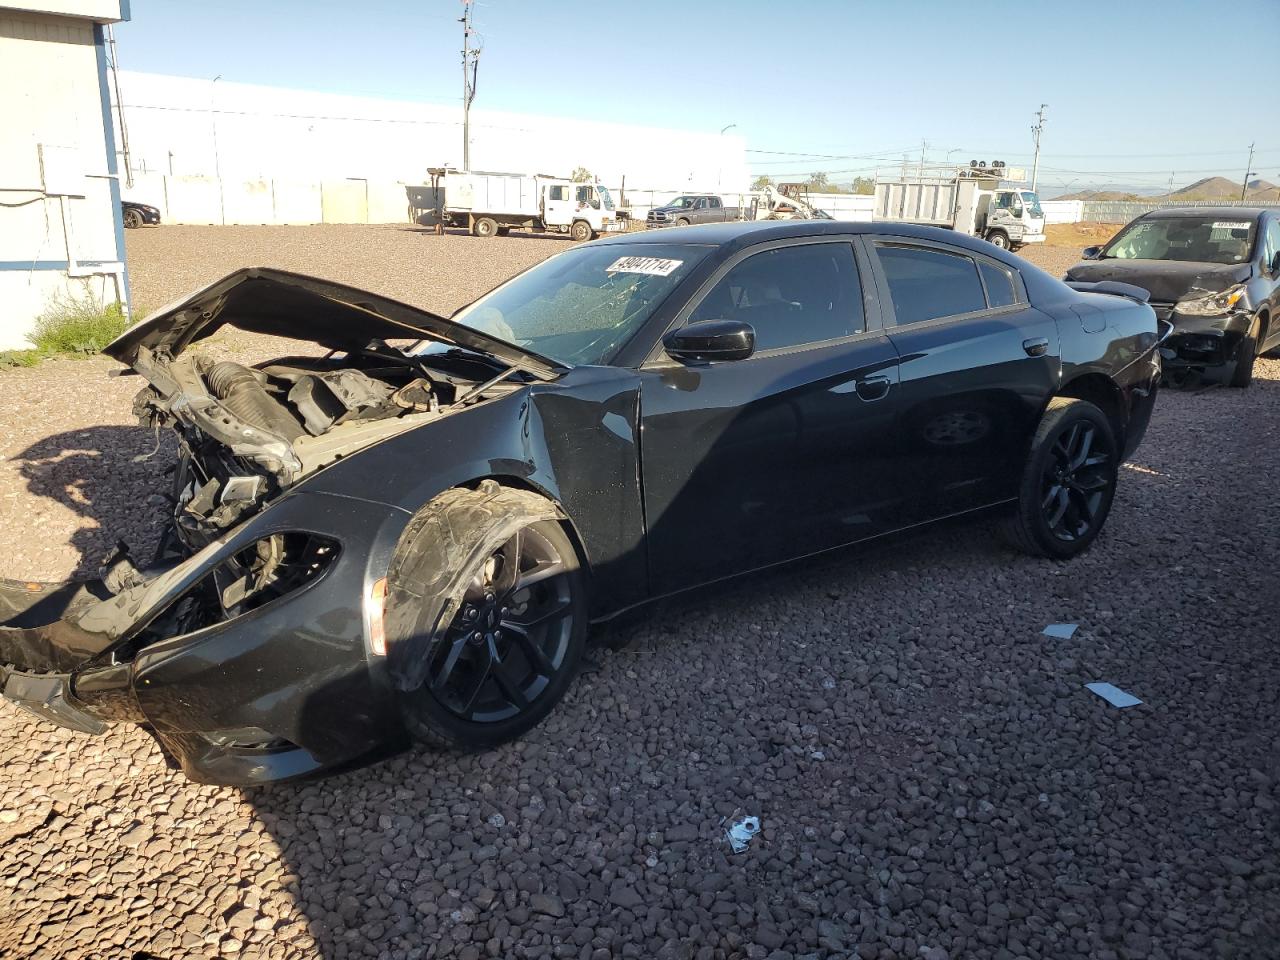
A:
1112	287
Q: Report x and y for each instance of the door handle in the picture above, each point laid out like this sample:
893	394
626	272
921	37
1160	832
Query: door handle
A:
871	389
1036	346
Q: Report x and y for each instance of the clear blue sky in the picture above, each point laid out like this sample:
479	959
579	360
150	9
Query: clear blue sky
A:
1136	88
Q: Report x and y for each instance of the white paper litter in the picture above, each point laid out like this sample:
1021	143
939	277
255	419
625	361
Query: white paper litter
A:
1060	631
741	831
1113	695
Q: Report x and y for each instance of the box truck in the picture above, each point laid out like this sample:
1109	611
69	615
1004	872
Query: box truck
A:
488	204
978	200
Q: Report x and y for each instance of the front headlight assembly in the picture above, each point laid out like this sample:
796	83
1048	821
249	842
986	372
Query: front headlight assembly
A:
1211	305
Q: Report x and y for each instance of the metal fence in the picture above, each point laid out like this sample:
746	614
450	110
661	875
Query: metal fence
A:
1112	211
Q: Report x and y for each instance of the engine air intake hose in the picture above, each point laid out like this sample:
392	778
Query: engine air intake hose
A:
241	391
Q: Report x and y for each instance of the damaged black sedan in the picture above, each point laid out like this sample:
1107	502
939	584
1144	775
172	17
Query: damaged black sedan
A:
404	531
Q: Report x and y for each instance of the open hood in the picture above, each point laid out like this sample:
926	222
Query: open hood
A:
292	305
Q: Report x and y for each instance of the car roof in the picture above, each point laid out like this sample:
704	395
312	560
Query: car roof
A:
1216	213
735	234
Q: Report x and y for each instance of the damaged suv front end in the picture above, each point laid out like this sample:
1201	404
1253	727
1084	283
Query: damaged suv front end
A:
244	646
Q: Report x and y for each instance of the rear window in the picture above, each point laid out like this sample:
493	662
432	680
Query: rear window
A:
926	284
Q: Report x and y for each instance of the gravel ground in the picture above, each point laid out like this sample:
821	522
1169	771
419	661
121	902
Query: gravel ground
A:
931	777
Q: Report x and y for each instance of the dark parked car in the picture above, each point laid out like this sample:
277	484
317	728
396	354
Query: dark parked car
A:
1213	272
139	214
407	537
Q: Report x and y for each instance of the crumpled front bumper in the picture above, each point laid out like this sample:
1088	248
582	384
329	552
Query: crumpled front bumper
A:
296	670
1208	346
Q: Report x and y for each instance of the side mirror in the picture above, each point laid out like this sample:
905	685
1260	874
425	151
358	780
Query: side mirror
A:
711	341
1090	253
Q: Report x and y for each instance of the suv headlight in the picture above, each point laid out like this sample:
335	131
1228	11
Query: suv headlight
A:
1212	305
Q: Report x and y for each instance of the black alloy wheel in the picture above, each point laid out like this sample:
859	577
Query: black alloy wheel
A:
511	635
133	219
1075	480
1068	483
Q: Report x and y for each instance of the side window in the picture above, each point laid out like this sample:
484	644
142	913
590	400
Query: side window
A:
999	284
584	195
1271	243
926	284
559	192
791	295
715	203
702	203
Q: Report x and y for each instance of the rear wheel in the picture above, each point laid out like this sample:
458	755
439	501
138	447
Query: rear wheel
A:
486	227
491	657
998	238
581	231
1068	483
1246	355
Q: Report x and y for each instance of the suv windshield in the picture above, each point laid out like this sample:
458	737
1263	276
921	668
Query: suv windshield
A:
1033	204
1194	239
580	307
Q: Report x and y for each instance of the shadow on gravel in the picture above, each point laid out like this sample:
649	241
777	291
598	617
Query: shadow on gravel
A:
114	476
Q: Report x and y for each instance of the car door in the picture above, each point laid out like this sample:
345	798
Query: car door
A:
715	209
978	364
755	461
557	207
1270	272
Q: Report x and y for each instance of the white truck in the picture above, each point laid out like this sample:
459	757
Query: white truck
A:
488	204
977	200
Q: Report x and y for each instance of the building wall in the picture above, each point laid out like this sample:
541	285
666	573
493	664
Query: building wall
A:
239	133
59	223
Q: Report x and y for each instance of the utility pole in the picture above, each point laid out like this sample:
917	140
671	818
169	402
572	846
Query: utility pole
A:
470	65
1248	169
1035	132
1170	190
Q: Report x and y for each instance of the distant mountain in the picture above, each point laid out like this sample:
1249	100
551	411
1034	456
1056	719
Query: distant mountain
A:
1208	188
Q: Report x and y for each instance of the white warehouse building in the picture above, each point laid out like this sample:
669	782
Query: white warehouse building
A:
215	151
60	227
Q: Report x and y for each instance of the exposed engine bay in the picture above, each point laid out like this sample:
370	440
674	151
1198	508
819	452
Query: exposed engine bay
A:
248	433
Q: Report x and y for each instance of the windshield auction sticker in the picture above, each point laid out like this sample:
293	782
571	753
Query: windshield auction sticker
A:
1229	225
653	266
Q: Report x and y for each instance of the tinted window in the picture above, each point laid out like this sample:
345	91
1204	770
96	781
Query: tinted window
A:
559	193
715	202
1271	242
926	284
791	295
999	284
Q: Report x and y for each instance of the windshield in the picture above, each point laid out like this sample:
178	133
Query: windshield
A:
680	202
1033	204
606	196
1191	239
580	307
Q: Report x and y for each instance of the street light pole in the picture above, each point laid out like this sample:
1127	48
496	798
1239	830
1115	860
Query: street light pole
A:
1248	170
720	152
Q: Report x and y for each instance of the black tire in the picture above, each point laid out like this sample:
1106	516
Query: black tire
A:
132	219
998	238
480	650
1062	508
1246	355
486	227
581	231
504	231
682	222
